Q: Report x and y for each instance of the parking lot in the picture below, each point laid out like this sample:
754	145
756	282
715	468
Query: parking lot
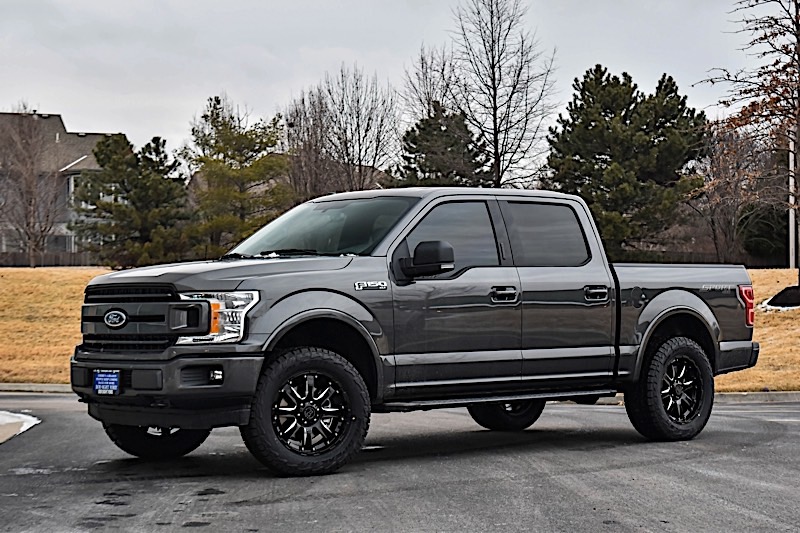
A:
579	468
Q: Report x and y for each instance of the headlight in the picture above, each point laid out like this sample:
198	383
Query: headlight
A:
228	310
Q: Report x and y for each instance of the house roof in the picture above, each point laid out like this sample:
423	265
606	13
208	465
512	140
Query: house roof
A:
62	150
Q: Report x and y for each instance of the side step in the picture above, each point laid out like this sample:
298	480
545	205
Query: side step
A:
423	405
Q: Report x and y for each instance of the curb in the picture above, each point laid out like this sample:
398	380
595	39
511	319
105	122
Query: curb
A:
57	388
720	397
728	397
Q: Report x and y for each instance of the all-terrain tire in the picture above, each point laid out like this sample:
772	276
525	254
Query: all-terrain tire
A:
510	416
673	398
310	414
155	444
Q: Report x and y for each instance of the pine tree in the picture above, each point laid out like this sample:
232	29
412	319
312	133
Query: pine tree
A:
235	180
626	154
130	211
440	150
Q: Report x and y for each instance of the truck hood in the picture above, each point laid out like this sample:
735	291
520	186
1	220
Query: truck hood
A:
219	275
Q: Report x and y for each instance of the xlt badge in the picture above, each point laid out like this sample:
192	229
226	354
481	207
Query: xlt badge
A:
371	285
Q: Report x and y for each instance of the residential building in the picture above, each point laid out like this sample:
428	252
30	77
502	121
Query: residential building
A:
59	157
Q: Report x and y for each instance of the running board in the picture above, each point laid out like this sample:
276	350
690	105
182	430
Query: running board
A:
423	405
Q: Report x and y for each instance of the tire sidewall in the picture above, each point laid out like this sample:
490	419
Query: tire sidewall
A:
666	354
349	441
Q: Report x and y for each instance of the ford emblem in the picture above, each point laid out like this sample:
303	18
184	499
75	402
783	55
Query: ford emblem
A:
115	319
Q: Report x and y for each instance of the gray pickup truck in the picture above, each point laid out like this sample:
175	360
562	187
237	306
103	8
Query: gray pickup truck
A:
402	300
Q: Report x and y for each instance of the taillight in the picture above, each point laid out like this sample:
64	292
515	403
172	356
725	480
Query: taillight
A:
747	298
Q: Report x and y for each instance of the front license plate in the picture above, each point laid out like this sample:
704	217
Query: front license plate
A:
106	382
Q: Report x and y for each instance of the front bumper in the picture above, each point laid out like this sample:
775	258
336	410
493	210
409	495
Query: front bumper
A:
180	392
736	355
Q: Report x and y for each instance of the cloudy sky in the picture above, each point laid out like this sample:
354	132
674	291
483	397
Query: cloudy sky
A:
146	67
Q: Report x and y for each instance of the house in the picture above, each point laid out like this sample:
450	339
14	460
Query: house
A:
40	144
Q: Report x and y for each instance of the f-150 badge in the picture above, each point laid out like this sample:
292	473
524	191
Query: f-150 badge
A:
371	285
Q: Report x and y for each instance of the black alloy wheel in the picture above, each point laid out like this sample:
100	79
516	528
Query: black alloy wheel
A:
508	416
310	413
674	395
155	443
681	392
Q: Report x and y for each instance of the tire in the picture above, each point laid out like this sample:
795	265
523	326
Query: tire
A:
675	393
586	400
310	414
511	416
155	444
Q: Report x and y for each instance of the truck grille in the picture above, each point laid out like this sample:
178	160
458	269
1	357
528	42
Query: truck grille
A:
128	343
124	295
131	293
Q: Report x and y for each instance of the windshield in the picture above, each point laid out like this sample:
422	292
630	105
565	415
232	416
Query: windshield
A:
335	227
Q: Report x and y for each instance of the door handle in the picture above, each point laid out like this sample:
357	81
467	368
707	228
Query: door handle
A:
595	293
503	294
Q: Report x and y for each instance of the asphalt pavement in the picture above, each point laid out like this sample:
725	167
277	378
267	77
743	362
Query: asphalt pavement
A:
580	468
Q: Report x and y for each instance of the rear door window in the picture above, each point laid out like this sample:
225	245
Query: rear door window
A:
545	235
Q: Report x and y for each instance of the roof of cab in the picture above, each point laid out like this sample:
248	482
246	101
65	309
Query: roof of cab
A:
435	192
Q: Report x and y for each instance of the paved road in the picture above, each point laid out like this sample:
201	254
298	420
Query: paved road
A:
579	469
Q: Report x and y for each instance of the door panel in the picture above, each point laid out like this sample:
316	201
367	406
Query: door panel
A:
567	311
459	331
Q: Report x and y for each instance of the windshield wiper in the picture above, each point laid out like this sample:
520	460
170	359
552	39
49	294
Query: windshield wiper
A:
236	255
290	251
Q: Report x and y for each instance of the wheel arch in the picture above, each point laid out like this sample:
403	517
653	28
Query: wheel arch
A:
665	317
336	331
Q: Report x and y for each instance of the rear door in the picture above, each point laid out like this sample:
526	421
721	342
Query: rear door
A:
458	332
567	309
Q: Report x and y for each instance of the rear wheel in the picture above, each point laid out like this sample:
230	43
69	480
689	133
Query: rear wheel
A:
673	398
155	443
509	416
310	414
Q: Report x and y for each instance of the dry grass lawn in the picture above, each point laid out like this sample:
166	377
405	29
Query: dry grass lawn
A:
40	326
40	321
778	367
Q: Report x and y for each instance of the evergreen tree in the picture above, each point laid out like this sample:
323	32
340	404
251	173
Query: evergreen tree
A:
626	153
440	150
235	180
130	211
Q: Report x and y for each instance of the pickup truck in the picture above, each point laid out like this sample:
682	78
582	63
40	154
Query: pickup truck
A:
402	300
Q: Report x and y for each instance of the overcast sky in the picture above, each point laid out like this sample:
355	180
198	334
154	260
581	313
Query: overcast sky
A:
146	67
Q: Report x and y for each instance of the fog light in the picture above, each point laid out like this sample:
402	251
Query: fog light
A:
215	376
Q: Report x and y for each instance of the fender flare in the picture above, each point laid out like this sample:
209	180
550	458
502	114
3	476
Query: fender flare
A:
666	305
282	318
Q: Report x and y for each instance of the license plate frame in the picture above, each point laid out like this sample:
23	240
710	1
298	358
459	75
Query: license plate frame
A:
106	382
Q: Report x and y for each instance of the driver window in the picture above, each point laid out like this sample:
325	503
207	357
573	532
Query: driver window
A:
467	227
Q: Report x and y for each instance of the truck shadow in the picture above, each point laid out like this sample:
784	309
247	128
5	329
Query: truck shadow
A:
235	462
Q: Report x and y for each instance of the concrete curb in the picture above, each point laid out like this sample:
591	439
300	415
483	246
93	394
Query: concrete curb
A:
729	397
58	388
720	397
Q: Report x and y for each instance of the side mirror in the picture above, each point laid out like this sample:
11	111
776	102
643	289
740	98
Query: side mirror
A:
430	258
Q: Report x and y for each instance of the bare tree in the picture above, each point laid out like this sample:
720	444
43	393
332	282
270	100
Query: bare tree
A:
770	92
740	186
311	169
362	133
503	85
31	189
429	82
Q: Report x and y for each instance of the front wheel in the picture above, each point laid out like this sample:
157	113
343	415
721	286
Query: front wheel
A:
510	416
310	414
155	443
673	398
